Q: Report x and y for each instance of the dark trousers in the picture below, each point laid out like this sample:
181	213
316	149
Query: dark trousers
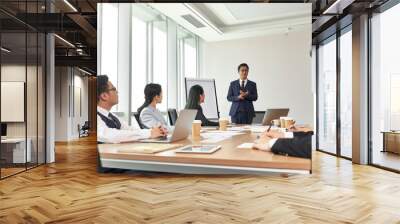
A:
242	117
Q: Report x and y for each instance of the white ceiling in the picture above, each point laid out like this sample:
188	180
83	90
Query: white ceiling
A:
226	21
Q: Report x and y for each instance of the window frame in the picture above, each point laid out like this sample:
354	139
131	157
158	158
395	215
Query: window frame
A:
379	10
334	37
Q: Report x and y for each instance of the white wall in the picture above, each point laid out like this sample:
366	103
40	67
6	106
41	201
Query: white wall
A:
79	117
279	64
69	82
61	103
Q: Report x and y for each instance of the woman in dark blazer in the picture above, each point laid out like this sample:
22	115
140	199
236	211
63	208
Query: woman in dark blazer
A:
196	97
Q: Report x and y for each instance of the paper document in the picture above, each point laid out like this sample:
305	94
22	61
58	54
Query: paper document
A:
224	132
247	145
214	137
259	129
240	128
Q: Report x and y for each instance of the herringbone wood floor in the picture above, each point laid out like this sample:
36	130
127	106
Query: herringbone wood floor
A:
70	191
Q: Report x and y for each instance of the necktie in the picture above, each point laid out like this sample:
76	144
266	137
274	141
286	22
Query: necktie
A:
242	86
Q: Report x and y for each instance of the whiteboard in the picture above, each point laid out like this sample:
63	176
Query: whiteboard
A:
210	105
12	101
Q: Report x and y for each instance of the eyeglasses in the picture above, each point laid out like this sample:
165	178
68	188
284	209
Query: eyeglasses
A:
112	89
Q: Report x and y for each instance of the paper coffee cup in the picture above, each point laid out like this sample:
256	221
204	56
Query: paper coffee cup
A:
196	129
282	122
276	122
289	122
223	124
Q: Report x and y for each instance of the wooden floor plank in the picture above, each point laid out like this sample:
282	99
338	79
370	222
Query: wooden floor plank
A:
71	191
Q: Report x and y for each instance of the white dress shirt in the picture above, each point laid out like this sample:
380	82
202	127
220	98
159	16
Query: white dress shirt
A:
113	135
245	82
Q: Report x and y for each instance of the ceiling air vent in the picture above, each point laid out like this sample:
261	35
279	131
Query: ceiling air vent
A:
196	23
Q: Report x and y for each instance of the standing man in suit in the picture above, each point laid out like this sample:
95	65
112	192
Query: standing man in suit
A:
242	93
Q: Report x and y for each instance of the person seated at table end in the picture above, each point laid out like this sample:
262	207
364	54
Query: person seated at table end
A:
296	142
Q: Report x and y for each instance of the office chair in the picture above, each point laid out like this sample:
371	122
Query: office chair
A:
259	117
137	117
84	129
173	116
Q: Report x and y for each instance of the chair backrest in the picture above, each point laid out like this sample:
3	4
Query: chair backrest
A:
137	117
86	125
173	116
259	117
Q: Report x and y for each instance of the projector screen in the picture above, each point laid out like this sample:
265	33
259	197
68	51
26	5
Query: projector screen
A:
12	101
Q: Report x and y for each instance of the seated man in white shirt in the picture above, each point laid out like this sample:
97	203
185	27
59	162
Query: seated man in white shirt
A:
296	142
109	128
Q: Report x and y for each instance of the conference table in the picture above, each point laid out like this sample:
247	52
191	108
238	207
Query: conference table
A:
228	160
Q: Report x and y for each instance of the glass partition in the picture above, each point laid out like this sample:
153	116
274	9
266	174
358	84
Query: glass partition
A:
22	69
346	94
385	89
15	149
32	98
327	96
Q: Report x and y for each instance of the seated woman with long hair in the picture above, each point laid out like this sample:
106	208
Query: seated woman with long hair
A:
149	115
195	98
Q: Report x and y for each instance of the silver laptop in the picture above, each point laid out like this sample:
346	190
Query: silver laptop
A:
272	114
183	127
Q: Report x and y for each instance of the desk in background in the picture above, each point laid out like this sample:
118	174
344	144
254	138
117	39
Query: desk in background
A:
228	160
13	150
391	141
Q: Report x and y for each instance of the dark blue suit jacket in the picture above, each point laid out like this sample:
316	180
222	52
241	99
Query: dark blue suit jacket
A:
247	103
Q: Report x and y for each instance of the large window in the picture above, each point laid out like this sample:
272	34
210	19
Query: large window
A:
190	56
109	42
139	61
346	93
187	60
157	51
327	96
160	59
334	137
385	87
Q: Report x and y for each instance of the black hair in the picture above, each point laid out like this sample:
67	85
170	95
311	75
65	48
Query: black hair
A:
193	101
150	91
102	85
243	65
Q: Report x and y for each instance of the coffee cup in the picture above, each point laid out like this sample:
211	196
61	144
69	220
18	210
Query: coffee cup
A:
289	122
196	129
276	122
282	122
223	124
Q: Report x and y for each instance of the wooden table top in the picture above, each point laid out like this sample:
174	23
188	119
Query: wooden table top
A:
228	155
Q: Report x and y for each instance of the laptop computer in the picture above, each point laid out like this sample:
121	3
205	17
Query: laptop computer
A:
183	127
272	114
